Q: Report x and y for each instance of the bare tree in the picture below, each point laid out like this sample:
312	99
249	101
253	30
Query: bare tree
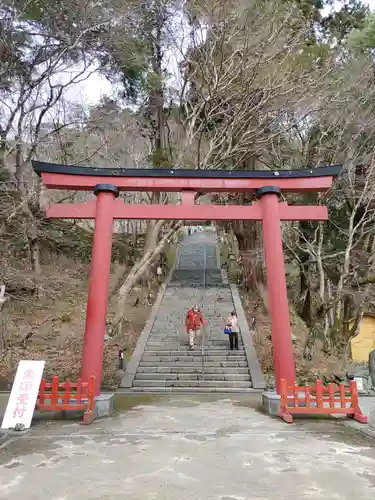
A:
335	258
42	62
252	70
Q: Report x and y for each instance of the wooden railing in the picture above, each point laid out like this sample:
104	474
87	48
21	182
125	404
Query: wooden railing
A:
319	399
68	396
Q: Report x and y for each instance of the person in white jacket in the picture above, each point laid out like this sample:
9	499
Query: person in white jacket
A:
232	323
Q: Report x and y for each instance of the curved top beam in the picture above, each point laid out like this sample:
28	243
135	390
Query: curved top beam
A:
54	168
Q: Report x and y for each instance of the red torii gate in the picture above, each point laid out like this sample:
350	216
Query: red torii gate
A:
268	186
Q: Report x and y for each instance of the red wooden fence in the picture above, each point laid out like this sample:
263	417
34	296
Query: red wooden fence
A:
68	396
318	399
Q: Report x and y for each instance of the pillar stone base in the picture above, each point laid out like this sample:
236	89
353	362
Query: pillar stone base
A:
104	404
271	403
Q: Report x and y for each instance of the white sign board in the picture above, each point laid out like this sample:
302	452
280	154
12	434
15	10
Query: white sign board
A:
359	381
24	394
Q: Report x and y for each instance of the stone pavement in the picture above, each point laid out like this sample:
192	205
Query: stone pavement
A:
367	405
189	448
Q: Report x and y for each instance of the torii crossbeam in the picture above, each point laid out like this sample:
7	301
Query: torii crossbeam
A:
107	183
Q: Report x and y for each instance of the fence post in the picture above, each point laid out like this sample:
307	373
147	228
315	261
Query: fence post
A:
79	390
91	391
89	415
331	395
68	386
42	389
319	394
307	396
55	390
357	415
287	417
342	395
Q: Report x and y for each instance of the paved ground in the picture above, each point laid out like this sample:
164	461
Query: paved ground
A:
367	405
189	448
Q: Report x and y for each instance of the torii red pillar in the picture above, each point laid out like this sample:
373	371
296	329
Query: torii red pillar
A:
276	285
93	345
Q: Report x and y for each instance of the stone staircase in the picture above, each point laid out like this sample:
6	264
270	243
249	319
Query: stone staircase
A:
166	363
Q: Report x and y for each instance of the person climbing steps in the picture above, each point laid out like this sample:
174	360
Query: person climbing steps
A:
194	320
232	323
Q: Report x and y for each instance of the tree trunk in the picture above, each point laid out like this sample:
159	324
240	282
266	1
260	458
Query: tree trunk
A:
305	301
32	235
155	116
151	238
138	270
248	237
22	175
3	148
3	299
306	310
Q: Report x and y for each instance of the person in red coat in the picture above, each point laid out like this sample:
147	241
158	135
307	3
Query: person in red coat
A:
194	320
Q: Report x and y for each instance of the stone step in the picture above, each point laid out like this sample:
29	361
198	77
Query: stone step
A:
197	352
176	344
177	328
167	364
214	319
220	350
213	322
195	364
211	335
193	376
191	383
174	334
179	342
188	390
182	339
182	342
177	325
185	347
193	369
175	331
218	344
188	359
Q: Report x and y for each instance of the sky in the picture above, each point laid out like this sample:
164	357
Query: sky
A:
96	86
371	3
